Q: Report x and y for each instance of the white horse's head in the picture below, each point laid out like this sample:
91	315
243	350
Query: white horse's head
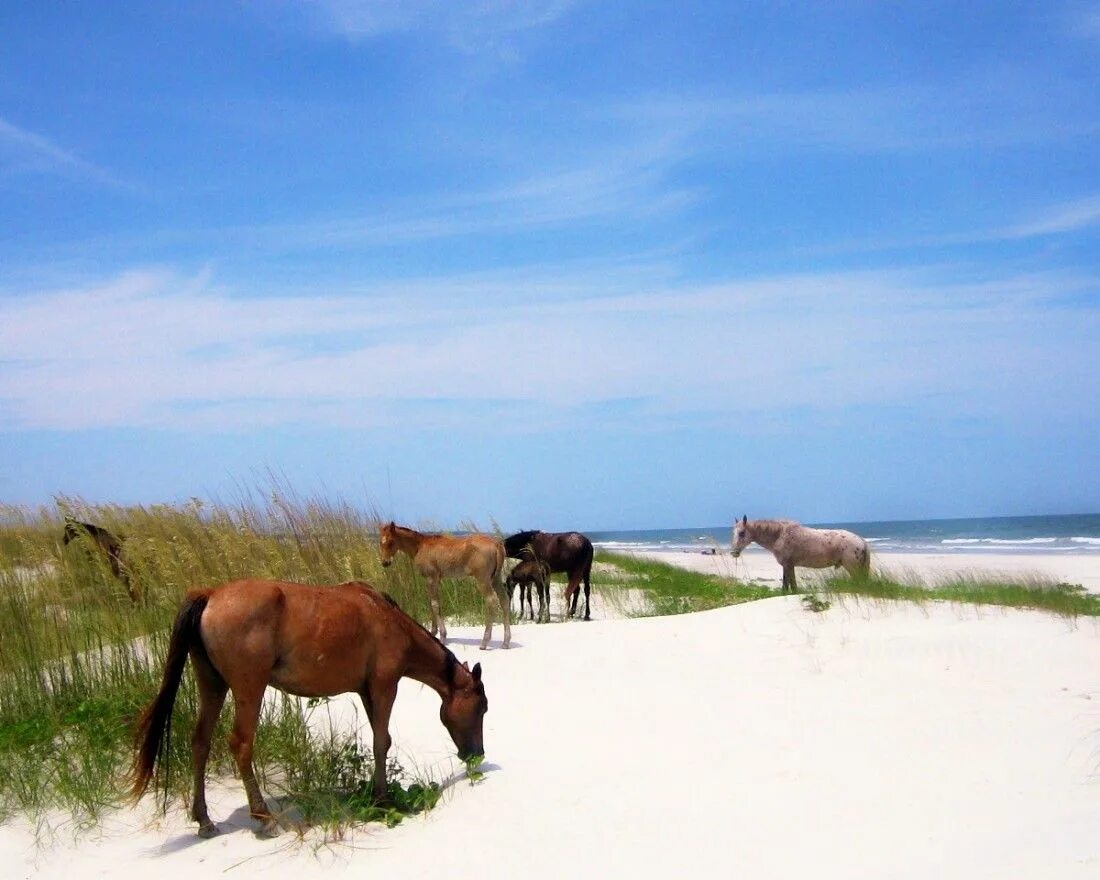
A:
741	536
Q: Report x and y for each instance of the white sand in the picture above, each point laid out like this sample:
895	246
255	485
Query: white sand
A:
758	741
760	565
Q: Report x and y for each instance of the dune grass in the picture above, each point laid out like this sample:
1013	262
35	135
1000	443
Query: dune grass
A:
672	590
79	660
668	589
1036	593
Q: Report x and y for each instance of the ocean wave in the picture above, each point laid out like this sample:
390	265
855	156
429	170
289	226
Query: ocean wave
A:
1091	541
1004	542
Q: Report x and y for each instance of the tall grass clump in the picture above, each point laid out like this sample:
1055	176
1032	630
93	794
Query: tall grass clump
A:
79	659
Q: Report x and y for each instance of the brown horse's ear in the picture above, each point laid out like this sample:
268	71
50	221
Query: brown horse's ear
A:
466	665
477	672
745	520
392	525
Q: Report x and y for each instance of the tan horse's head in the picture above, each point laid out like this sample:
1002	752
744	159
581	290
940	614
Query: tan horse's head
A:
741	536
463	711
387	543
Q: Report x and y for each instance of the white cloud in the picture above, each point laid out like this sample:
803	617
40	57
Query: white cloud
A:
469	26
152	349
24	150
1059	219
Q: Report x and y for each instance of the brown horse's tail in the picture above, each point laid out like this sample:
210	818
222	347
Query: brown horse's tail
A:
154	728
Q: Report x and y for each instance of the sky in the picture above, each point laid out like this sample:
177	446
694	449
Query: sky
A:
556	264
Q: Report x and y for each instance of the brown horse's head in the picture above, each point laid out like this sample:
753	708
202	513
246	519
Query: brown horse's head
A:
741	536
387	543
464	709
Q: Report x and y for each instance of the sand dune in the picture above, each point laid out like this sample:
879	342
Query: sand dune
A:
760	740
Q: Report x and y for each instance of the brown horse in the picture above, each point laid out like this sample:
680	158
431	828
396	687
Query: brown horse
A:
794	544
306	641
569	552
443	556
526	573
94	537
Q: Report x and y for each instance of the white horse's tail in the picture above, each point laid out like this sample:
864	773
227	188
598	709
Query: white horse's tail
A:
863	558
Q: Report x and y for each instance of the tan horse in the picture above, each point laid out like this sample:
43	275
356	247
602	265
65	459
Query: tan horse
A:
794	544
306	641
443	556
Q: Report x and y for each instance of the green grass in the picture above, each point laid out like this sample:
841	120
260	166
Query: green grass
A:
1066	600
79	660
670	590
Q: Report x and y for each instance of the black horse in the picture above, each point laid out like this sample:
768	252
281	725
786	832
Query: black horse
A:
90	535
568	552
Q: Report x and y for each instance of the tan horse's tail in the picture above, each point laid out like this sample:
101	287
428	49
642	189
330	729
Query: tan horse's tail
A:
154	728
498	565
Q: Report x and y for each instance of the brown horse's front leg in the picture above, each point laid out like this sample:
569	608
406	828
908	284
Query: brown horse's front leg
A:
378	701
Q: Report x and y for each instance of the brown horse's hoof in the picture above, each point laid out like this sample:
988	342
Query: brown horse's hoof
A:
208	830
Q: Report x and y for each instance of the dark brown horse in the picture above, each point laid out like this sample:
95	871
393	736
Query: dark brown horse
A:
569	552
93	537
528	573
306	641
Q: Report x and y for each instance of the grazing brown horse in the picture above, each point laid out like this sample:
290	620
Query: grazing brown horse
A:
794	544
90	535
443	556
569	552
526	573
306	641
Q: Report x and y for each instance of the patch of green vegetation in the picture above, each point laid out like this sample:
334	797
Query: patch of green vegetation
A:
813	602
1066	600
331	787
672	590
473	769
79	660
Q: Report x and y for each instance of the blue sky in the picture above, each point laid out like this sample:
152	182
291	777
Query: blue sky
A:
559	264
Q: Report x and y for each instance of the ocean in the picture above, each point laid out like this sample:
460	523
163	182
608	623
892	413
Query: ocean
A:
1077	533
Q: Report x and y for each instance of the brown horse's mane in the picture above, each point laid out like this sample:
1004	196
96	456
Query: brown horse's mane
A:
450	661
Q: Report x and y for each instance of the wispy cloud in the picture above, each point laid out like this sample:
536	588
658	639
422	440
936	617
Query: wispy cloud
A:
998	109
470	27
154	349
1065	218
1057	220
24	150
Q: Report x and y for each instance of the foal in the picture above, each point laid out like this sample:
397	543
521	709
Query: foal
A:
526	573
443	556
305	641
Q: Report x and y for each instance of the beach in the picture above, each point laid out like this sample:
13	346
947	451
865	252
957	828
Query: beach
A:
760	566
875	739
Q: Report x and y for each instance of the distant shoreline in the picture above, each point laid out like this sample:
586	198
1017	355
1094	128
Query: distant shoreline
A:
759	565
